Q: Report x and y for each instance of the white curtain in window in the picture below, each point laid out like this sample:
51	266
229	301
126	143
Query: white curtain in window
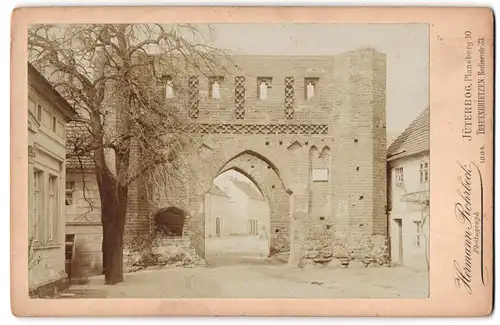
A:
215	90
263	90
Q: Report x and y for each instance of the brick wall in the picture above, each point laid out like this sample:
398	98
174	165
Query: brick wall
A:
342	128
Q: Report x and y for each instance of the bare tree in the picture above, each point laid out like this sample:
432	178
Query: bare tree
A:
112	74
35	249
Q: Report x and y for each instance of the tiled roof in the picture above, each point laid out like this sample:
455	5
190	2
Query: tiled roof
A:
414	140
44	88
247	189
77	136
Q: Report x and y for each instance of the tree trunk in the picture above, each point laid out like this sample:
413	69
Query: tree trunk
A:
113	212
103	250
113	248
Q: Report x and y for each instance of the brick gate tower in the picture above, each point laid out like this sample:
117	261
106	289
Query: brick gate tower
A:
309	131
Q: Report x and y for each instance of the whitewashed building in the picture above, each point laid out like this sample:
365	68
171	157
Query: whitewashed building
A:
83	210
251	210
217	209
48	114
408	194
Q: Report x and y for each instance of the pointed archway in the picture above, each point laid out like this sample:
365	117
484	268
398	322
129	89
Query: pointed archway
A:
265	178
236	220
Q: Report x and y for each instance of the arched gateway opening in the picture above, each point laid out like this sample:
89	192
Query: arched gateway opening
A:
236	219
247	213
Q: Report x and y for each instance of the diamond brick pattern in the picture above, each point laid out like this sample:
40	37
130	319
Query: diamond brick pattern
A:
289	98
193	97
306	129
239	97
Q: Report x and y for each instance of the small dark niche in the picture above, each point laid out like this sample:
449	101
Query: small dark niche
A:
357	168
267	143
356	140
281	142
268	167
307	142
251	166
276	230
361	197
321	218
328	226
273	186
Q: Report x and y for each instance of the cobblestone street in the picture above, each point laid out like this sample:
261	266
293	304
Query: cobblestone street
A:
261	279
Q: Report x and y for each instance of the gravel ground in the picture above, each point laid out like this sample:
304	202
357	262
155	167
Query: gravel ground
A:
261	280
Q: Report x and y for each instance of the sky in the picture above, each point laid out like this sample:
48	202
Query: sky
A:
406	47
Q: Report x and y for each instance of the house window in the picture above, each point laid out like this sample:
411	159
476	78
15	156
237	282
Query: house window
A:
310	85
53	210
263	86
418	233
253	227
214	85
309	91
399	176
54	124
263	90
70	191
169	89
37	205
39	113
424	173
215	90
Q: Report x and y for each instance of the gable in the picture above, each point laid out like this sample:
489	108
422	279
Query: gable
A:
414	140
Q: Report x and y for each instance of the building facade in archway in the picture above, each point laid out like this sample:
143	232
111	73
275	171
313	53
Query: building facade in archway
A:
308	130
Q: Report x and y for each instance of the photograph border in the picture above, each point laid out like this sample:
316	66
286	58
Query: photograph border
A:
446	28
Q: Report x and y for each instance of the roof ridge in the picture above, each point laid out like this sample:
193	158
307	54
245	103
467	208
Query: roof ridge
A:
414	139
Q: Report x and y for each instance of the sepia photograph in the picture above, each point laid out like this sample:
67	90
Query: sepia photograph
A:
228	160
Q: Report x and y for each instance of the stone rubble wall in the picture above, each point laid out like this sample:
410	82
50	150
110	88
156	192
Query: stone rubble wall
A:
161	251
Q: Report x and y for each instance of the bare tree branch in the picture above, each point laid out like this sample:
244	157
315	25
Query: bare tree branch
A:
112	75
